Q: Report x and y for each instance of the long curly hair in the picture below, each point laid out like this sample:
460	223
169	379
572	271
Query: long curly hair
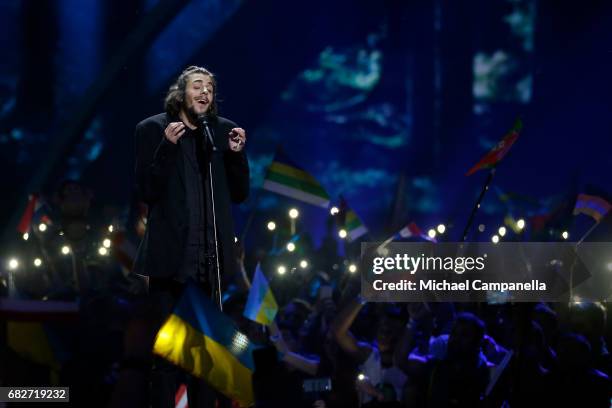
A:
175	98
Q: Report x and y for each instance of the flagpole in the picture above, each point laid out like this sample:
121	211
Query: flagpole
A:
485	187
571	277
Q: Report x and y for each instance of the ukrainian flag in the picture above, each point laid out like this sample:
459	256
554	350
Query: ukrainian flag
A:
261	306
202	340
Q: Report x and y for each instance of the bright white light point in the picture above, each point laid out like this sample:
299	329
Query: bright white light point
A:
102	251
106	243
240	343
291	247
37	262
495	239
65	250
502	231
110	228
281	270
303	264
26	236
481	227
271	225
42	227
13	264
342	233
441	228
431	233
565	234
361	377
294	213
235	239
520	223
334	210
352	268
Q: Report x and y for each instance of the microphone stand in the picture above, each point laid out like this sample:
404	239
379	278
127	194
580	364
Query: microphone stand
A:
210	140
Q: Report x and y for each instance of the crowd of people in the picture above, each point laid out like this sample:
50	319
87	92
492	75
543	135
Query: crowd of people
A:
334	349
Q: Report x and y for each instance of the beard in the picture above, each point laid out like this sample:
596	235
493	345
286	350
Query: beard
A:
191	114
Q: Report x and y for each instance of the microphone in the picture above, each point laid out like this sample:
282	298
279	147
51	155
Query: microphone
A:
203	119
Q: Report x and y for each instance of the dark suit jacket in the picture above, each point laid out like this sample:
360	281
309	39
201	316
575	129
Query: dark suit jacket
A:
160	183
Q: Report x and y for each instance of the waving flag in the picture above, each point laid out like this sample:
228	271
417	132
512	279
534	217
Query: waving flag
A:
591	205
286	178
202	340
354	226
36	211
261	306
499	151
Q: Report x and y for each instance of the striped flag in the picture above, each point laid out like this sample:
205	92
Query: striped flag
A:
205	342
261	306
180	399
411	231
35	211
286	178
591	205
354	226
499	151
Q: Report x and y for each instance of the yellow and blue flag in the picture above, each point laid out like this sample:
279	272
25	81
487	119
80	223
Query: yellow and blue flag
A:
202	340
261	306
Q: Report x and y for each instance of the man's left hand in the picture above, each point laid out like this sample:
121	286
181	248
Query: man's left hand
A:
237	139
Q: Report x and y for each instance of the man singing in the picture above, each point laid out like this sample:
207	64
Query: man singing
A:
190	232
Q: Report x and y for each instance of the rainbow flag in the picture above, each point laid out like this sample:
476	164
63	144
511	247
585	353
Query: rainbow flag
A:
261	307
499	151
203	341
286	178
592	205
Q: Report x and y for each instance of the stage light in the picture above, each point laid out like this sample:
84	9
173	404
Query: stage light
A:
495	239
65	250
235	239
37	262
102	251
42	227
13	264
294	213
106	243
334	210
342	233
26	236
431	233
110	228
501	231
303	264
565	235
361	377
481	227
271	225
441	228
520	224
281	270
290	247
352	268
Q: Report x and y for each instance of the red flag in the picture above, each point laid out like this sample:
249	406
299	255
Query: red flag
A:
26	218
499	151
